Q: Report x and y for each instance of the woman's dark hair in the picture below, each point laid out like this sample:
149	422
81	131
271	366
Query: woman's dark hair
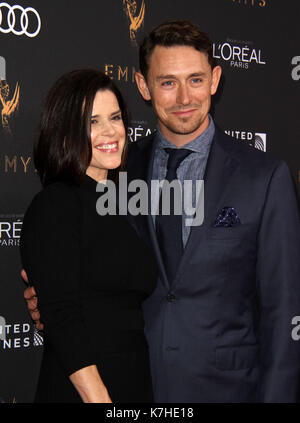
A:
63	149
173	33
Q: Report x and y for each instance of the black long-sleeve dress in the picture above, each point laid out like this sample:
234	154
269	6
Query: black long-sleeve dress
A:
91	274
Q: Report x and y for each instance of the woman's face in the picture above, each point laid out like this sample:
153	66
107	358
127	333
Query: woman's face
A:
107	135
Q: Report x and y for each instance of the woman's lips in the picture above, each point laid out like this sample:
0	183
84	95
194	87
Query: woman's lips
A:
108	147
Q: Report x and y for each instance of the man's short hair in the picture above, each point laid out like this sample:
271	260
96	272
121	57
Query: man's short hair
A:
175	33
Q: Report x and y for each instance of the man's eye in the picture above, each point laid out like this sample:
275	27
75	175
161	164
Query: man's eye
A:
196	80
167	83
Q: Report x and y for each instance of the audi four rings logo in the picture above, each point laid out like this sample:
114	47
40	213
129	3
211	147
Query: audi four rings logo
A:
20	27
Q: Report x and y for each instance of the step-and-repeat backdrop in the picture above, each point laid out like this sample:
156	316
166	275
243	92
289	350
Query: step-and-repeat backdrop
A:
257	43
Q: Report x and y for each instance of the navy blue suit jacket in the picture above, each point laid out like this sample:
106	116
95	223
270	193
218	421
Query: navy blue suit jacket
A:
222	331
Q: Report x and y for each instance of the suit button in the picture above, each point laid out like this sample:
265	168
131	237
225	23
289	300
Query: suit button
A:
172	348
171	298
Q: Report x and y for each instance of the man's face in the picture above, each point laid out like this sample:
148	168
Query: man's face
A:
180	83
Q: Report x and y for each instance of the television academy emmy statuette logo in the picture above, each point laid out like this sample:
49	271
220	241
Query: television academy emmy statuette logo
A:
260	3
135	17
9	104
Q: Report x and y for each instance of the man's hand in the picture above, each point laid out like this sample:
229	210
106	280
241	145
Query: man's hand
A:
31	298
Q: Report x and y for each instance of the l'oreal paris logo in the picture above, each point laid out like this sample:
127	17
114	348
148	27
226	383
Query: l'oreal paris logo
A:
10	230
238	56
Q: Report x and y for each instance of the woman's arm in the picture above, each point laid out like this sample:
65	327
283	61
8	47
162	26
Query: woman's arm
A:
52	256
89	385
87	380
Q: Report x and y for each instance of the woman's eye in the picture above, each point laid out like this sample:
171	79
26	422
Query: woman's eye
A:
117	117
93	121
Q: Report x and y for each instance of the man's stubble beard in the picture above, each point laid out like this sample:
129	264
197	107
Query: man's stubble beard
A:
179	129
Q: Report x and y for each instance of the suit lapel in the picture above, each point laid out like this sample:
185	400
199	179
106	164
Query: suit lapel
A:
220	169
140	165
150	223
139	157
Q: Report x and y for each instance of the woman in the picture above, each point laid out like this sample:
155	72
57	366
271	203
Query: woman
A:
91	272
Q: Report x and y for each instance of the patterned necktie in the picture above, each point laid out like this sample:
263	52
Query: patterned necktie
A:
169	227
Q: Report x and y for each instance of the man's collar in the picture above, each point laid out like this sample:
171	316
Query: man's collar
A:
202	142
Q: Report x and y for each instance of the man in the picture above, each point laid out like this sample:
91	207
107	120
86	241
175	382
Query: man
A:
220	320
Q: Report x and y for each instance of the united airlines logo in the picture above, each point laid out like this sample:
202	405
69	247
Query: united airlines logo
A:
257	140
260	141
18	335
38	339
19	20
135	17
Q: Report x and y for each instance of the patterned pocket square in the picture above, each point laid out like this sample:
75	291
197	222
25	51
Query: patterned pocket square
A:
227	218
